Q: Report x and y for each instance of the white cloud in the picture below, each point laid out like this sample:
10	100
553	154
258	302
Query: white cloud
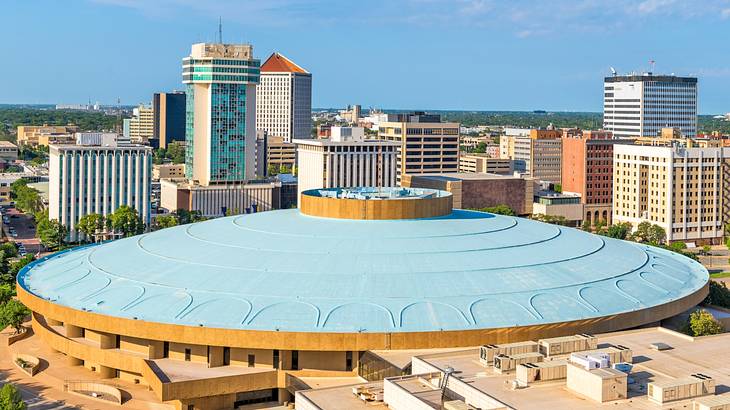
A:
525	18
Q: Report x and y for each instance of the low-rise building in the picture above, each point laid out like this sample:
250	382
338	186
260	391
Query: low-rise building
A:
220	200
168	171
473	190
43	135
485	164
566	205
8	152
346	159
280	153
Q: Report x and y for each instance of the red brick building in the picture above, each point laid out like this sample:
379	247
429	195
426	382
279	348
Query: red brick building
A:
588	171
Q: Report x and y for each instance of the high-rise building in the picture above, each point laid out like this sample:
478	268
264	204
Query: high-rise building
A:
168	122
537	154
587	169
139	129
427	144
97	175
220	129
676	185
346	159
641	105
284	99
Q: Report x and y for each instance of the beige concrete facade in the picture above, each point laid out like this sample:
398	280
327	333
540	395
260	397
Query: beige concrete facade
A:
426	147
280	153
686	191
141	125
43	135
538	155
482	163
168	171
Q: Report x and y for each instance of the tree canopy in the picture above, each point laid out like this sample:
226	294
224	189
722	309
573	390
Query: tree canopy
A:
500	209
10	398
702	323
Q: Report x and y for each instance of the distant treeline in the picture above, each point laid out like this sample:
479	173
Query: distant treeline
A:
12	117
583	120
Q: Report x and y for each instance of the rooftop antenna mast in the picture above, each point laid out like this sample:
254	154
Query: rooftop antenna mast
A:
220	30
119	116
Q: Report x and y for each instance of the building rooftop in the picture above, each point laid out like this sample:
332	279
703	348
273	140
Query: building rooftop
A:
277	63
283	270
686	356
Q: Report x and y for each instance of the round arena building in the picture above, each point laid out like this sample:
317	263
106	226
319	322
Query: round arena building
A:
219	312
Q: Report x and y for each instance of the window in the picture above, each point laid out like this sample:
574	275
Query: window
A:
348	361
166	350
251	360
187	354
226	356
295	359
276	359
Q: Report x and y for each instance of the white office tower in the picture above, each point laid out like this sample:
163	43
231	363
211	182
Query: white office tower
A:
284	99
97	177
641	105
346	159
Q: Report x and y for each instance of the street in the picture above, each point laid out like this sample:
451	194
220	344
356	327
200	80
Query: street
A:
24	226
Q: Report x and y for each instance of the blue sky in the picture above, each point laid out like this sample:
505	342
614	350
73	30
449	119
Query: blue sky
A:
429	54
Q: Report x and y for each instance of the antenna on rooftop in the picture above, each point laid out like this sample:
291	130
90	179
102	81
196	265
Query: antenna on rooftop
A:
651	66
220	30
119	115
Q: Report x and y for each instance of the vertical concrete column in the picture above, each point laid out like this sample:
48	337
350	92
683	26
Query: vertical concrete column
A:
73	361
73	331
215	356
284	396
107	372
107	340
156	349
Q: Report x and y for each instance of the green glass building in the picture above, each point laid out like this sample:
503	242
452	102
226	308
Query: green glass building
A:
220	126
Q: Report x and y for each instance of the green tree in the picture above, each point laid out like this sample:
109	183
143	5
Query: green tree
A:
10	398
719	295
498	209
13	313
702	323
90	224
10	249
185	217
50	232
126	221
16	266
619	230
166	221
176	152
558	187
586	226
481	148
6	293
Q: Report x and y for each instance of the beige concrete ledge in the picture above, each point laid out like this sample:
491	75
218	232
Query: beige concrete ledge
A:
104	392
328	341
12	337
30	365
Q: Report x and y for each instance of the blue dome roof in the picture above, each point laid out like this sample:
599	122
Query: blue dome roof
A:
282	270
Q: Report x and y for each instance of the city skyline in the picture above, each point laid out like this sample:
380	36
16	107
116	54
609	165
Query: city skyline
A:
489	55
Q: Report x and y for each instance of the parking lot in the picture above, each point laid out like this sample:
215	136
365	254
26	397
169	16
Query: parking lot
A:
20	228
